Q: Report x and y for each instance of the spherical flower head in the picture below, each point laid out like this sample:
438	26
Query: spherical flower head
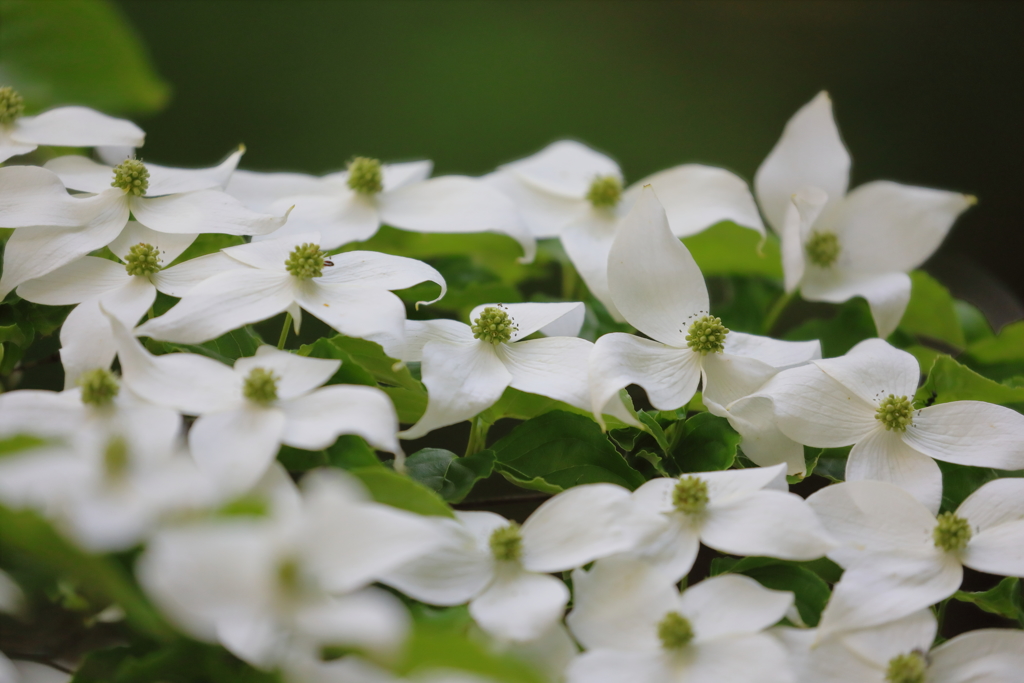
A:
952	533
306	261
895	413
142	259
675	631
707	335
690	496
99	387
132	176
822	248
11	105
605	192
908	668
364	175
260	386
507	543
116	459
494	325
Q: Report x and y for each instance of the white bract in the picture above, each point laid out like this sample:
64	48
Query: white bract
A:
866	398
740	512
900	558
572	192
836	246
55	227
248	411
501	568
637	628
252	282
350	206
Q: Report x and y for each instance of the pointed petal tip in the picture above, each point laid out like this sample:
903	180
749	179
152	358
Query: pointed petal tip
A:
970	199
241	147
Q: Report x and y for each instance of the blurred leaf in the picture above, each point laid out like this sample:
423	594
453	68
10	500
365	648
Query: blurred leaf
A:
519	405
81	52
19	442
209	243
708	443
972	321
430	648
559	450
960	481
371	357
183	661
350	452
851	324
350	371
931	312
449	475
831	463
999	356
730	249
227	348
743	302
810	589
655	430
1004	600
401	492
15	334
950	381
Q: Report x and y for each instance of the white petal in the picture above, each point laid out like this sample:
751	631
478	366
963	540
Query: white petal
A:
236	447
399	175
180	279
113	155
997	550
171	245
614	666
519	605
81	173
577	526
417	333
885	456
10	147
45	413
455	204
998	502
881	643
260	641
987	655
887	294
353	311
555	367
75	282
272	252
730	378
566	168
588	242
809	152
78	127
969	433
801	213
544	214
164	180
728	485
317	420
763	442
220	304
673	548
762	660
33	672
775	352
298	375
730	605
259	190
654	281
873	369
767	524
203	211
371	619
340	218
373	270
530	318
31	196
696	197
462	380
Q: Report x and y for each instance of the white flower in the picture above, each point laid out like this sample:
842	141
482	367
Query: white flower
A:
55	228
659	289
865	398
287	583
248	411
350	206
501	568
900	558
466	369
63	126
349	292
126	290
637	628
739	512
836	246
572	192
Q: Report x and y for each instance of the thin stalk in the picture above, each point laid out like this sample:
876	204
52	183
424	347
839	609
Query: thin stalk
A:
284	330
477	436
777	308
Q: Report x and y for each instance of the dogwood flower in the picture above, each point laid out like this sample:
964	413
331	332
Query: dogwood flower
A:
899	557
350	206
63	126
349	292
467	368
572	192
740	512
865	398
55	228
291	581
501	568
835	245
637	627
248	411
659	289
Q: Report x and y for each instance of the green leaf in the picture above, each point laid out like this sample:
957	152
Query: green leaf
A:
519	405
559	450
950	381
209	243
810	589
350	371
655	430
183	661
831	463
371	357
730	249
15	334
1004	600
999	356
430	648
449	475
227	348
851	324
82	52
708	443
960	481
401	492
931	312
350	452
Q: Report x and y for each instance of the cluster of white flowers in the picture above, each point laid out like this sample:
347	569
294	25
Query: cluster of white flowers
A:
174	453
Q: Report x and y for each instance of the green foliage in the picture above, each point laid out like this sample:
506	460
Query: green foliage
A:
730	249
830	463
227	348
931	312
810	590
706	443
183	661
350	372
851	324
432	648
449	475
960	481
950	381
998	356
1004	600
401	492
209	243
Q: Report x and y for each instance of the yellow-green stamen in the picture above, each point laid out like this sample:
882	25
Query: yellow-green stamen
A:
605	192
365	176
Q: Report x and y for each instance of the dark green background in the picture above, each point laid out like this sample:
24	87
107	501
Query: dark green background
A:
929	93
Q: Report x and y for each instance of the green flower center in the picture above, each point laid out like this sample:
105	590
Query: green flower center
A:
605	192
690	495
99	387
707	335
908	668
364	175
115	458
675	631
11	105
507	543
131	176
306	261
261	386
952	533
494	325
894	412
822	248
142	259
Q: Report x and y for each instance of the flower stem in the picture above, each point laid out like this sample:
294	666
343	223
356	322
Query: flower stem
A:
777	308
477	436
284	330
